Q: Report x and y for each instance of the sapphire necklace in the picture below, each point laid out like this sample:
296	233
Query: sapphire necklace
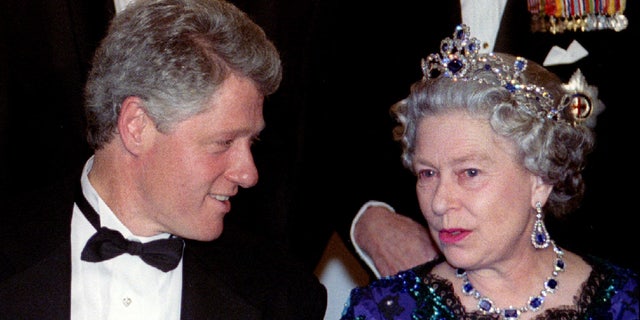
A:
511	313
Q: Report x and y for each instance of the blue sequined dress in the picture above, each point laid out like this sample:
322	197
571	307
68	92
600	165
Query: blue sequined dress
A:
610	292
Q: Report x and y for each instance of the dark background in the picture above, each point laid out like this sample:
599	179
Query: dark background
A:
327	147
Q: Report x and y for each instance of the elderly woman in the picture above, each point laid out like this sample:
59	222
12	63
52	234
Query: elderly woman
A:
496	142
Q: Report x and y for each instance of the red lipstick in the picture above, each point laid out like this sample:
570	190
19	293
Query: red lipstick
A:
448	236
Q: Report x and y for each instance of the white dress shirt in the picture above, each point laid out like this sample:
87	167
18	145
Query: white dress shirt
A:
121	288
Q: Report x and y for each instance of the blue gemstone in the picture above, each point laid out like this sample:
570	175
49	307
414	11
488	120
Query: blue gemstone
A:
511	313
560	264
511	88
541	238
552	283
536	302
520	64
484	305
455	65
459	32
467	287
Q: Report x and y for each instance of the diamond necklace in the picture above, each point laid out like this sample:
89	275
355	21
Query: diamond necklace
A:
535	302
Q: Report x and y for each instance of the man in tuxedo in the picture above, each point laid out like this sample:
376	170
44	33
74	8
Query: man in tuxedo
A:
174	103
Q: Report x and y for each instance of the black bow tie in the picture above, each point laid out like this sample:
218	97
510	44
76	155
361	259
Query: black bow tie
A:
164	254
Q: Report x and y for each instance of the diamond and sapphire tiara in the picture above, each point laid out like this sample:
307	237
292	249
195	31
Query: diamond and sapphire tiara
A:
460	60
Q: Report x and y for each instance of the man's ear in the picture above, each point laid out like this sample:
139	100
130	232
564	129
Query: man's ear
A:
132	123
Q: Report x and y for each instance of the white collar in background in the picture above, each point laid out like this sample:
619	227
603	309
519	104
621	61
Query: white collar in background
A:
121	4
483	17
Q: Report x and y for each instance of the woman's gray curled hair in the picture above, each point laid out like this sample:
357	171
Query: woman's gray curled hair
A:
552	150
174	54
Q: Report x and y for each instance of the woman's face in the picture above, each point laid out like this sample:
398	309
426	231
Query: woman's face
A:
473	191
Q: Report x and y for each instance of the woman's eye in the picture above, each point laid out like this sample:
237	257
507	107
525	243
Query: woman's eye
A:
471	172
425	174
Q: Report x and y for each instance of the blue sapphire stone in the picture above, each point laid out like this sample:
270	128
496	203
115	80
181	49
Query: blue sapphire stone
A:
536	302
454	66
511	314
459	34
467	288
552	284
485	305
541	238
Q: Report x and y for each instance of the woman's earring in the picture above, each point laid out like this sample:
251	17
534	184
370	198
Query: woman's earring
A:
539	237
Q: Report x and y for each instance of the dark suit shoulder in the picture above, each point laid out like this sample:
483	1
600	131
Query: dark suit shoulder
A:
35	223
256	271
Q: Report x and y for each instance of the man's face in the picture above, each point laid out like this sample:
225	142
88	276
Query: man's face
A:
191	172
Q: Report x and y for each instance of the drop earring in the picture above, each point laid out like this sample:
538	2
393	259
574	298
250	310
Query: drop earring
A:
539	237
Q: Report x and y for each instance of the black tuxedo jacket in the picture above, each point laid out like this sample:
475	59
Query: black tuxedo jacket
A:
237	276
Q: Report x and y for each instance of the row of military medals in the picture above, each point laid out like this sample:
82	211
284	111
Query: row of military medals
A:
558	16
